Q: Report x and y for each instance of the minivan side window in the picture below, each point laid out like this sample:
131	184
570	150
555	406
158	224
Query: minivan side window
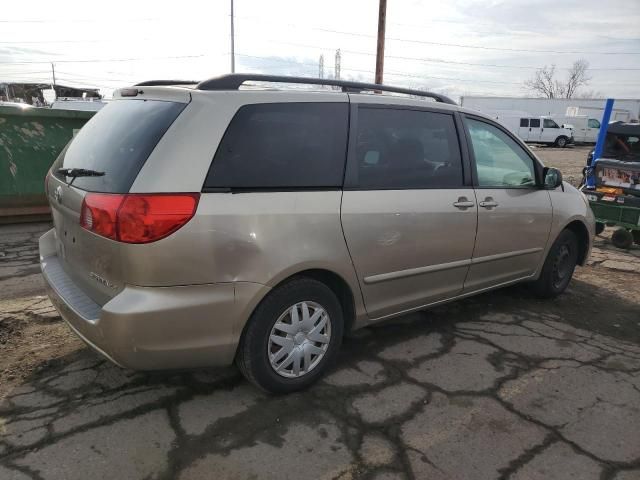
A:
548	123
534	122
593	123
406	149
282	145
500	161
524	122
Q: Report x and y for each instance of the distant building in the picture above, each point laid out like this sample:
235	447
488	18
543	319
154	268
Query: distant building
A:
31	93
624	108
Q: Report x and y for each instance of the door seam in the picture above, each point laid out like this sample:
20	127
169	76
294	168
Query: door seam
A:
475	241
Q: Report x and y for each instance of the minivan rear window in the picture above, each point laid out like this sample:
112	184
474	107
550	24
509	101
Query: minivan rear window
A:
117	141
282	146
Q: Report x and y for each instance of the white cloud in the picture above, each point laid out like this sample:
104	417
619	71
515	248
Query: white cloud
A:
289	36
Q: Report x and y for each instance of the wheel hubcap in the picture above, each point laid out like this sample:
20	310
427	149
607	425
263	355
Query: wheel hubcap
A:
299	339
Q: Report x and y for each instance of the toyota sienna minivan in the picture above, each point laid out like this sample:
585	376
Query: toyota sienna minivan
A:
200	223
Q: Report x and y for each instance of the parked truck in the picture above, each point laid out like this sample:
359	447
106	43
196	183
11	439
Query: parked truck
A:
540	129
585	128
626	108
617	115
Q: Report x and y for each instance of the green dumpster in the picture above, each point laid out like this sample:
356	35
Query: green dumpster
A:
30	140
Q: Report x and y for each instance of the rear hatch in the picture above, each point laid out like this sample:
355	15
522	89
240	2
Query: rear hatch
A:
104	157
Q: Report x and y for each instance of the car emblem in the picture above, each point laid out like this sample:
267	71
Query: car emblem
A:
102	280
57	194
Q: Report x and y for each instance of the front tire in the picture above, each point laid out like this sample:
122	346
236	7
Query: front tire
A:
558	266
561	142
292	336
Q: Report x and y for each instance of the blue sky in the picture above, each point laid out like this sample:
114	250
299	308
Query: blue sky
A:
429	44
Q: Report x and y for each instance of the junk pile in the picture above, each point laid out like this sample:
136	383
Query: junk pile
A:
616	197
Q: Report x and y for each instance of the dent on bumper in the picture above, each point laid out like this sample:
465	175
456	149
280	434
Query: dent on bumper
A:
150	328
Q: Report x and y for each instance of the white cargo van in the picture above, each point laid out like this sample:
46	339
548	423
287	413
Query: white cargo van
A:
617	114
539	129
585	128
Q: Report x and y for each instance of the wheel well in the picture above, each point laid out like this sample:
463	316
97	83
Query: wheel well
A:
582	234
337	284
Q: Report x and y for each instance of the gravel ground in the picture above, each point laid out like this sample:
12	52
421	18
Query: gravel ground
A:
501	385
570	161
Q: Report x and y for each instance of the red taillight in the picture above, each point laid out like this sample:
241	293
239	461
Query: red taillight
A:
99	213
147	218
137	218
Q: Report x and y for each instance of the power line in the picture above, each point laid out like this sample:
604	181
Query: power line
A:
459	45
397	74
425	42
89	77
101	60
85	20
36	42
435	60
440	61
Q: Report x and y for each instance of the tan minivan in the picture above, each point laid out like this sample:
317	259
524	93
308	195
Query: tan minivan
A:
198	223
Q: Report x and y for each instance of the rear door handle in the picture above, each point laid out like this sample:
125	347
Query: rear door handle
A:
463	203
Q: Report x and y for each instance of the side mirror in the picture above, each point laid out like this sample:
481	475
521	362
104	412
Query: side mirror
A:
552	178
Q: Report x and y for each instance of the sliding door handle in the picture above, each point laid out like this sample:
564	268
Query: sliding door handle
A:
488	203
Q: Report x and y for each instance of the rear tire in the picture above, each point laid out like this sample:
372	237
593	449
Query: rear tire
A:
561	142
558	266
284	348
599	228
622	238
636	236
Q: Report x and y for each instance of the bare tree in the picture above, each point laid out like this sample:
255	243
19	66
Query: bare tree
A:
577	77
589	94
545	83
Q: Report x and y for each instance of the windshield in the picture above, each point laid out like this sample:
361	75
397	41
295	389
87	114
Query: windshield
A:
622	147
117	142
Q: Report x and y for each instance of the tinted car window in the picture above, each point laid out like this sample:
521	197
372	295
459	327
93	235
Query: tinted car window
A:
286	145
534	122
548	123
500	161
117	141
400	149
593	123
524	122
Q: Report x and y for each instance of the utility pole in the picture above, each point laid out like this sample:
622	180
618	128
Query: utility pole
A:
336	68
233	53
382	20
321	67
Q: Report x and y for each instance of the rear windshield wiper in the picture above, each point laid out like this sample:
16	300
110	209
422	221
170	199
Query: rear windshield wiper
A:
78	172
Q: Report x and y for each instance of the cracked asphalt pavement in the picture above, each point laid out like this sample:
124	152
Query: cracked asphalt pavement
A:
501	385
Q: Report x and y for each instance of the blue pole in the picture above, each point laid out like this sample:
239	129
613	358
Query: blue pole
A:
602	135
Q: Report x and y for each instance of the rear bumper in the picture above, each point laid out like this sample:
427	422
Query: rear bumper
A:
151	328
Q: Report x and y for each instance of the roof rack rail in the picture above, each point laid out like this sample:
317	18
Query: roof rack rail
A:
165	83
235	80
